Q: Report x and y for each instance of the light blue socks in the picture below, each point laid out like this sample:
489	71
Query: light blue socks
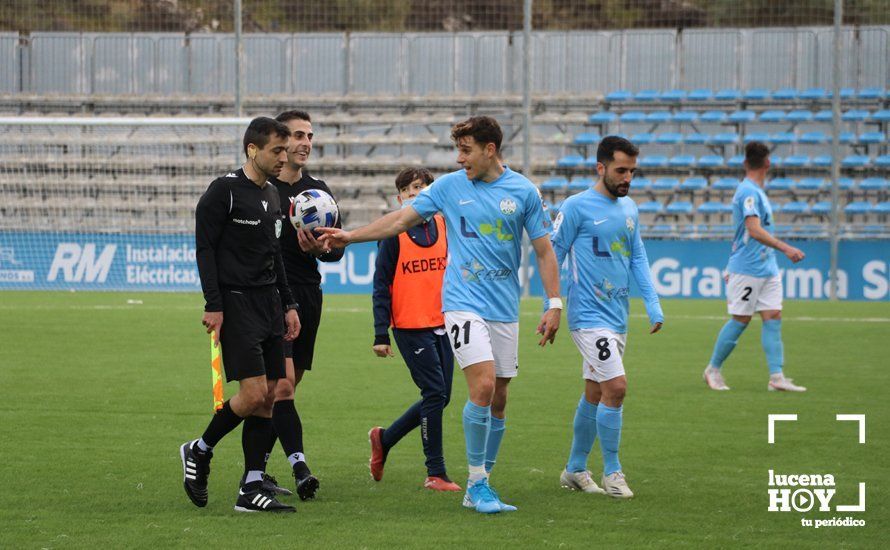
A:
726	341
476	424
495	435
771	338
584	428
608	427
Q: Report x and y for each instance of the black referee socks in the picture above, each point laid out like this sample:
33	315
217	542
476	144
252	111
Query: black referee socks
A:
288	426
224	421
254	441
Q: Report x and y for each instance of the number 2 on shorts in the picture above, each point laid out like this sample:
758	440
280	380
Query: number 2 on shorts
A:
455	331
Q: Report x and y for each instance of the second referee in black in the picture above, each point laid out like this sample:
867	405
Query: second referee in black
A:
237	226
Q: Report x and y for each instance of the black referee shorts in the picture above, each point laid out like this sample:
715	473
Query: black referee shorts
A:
302	349
252	335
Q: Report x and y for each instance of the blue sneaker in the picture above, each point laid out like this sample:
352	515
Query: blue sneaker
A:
504	506
480	496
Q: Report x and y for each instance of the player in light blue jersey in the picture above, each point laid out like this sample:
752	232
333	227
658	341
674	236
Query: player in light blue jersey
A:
487	207
598	231
753	283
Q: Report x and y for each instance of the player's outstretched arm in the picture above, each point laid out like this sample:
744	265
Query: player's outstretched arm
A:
639	267
761	235
388	226
549	270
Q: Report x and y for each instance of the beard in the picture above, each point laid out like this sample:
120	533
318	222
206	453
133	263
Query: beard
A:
616	187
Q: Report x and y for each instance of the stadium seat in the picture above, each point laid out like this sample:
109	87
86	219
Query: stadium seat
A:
782	138
650	207
822	161
713	116
725	184
684	117
641	183
646	95
665	184
845	184
870	93
700	94
756	94
824	115
796	207
587	138
882	161
619	95
881	116
669	138
653	161
799	116
696	139
882	208
780	184
741	117
874	184
785	94
796	161
855	115
725	138
821	208
810	184
581	184
712	207
814	137
681	161
846	93
695	183
773	116
858	208
757	136
710	161
855	161
642	138
813	94
590	162
728	94
736	161
602	117
570	161
672	95
658	117
679	208
554	184
871	138
847	137
633	117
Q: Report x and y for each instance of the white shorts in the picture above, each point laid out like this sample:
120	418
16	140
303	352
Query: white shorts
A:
746	295
474	340
602	350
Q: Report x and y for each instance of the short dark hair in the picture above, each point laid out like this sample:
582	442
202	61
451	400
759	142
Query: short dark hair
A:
483	129
261	129
293	114
605	152
756	153
408	175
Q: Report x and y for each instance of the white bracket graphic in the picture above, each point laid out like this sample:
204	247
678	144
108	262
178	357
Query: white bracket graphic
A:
854	507
771	424
855	418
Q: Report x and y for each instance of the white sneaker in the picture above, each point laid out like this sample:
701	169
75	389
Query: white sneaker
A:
714	379
580	481
615	486
778	382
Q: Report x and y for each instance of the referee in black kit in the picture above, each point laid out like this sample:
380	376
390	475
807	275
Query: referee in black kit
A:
237	225
301	253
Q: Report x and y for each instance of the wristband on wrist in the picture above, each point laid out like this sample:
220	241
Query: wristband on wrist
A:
554	303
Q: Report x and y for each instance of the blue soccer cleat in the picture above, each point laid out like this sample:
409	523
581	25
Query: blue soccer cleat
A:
484	499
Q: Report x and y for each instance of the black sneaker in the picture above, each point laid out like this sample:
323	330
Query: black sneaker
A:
253	498
270	484
307	484
195	469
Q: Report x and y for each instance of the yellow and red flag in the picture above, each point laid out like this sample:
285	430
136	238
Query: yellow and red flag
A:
216	367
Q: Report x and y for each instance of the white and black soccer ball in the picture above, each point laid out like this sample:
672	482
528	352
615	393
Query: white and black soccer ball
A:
313	208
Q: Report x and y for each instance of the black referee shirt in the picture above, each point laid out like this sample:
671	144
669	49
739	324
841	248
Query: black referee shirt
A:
237	225
301	267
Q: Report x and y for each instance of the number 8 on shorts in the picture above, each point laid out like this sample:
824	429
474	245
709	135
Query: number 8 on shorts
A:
602	350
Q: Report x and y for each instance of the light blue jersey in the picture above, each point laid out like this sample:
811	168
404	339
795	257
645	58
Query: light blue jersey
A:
485	223
748	256
602	240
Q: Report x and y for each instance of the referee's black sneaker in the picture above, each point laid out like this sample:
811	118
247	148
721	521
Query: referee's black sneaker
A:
270	484
252	497
307	484
195	469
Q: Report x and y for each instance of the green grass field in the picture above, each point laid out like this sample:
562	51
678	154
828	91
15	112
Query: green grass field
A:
98	394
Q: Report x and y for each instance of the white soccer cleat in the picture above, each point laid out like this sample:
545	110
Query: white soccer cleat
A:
714	379
778	382
580	481
615	486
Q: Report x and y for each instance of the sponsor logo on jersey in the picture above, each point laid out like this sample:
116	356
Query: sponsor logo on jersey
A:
475	272
508	206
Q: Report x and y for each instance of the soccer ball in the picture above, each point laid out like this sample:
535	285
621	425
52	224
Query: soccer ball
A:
313	208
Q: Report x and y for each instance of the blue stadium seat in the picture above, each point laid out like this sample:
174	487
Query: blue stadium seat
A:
773	116
700	94
602	117
570	161
711	161
684	117
882	161
633	117
740	117
672	95
736	161
780	184
847	137
728	94
650	207
846	93
874	184
669	138
821	208
587	138
882	208
725	138
590	162
870	138
785	94
796	207
855	115
756	94
824	115
814	137
855	161
813	94
642	138
619	95
822	161
641	183
681	161
881	116
713	116
696	139
679	208
782	138
756	136
694	183
646	95
810	184
653	161
845	183
712	207
724	184
555	184
665	184
659	117
796	161
799	115
858	207
581	184
871	93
